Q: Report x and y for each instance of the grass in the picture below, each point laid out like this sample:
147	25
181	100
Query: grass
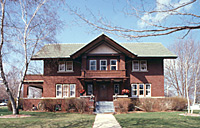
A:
157	120
47	120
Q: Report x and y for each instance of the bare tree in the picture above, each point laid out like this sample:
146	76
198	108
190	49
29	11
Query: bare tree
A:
29	26
153	18
183	73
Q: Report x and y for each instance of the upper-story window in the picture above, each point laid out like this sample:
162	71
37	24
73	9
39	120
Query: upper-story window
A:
113	64
139	65
65	66
103	64
93	65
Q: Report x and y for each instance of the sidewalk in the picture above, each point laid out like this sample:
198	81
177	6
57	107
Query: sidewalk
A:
105	121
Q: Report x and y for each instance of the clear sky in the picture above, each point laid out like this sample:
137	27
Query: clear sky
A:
76	31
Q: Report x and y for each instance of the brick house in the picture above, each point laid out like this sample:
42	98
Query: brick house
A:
103	68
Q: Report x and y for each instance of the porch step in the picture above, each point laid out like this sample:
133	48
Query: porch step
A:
104	107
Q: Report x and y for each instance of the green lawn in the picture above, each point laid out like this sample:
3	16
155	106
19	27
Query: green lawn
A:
157	120
47	120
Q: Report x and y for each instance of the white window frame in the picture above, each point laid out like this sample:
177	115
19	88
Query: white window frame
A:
58	90
93	65
141	65
103	65
61	65
117	90
113	65
89	89
140	90
66	91
148	90
133	89
74	89
66	64
133	69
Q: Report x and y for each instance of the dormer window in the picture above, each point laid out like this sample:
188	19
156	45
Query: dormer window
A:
93	65
103	64
113	64
65	66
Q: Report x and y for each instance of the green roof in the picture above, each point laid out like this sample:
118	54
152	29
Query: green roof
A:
139	49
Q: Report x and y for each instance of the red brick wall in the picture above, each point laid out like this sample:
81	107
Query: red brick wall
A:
154	76
49	85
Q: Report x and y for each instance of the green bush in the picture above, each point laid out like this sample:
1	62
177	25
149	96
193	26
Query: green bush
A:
76	104
20	104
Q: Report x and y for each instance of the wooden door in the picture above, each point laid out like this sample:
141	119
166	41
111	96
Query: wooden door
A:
103	92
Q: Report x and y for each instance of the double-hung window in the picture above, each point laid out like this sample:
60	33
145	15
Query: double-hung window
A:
141	90
65	66
61	66
65	90
116	88
134	90
59	90
139	65
143	65
72	90
113	64
93	65
148	90
90	89
103	64
136	66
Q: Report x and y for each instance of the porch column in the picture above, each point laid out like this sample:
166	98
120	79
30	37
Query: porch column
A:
122	62
84	65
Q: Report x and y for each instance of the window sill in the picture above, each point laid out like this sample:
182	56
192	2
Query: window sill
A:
121	96
140	71
65	71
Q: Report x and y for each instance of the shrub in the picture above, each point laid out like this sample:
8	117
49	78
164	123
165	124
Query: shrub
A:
20	104
49	104
123	104
76	104
163	104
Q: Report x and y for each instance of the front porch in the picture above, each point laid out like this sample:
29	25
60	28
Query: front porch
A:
104	89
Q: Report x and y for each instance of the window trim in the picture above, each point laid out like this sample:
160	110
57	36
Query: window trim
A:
103	65
133	65
59	65
57	90
134	90
90	90
113	65
95	65
141	65
67	66
140	89
148	89
117	90
140	69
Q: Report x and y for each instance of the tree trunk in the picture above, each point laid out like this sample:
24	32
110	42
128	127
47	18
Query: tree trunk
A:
12	100
195	86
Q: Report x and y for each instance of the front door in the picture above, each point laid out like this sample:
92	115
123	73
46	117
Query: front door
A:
103	92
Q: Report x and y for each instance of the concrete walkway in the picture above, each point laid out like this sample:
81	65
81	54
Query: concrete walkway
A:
105	121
